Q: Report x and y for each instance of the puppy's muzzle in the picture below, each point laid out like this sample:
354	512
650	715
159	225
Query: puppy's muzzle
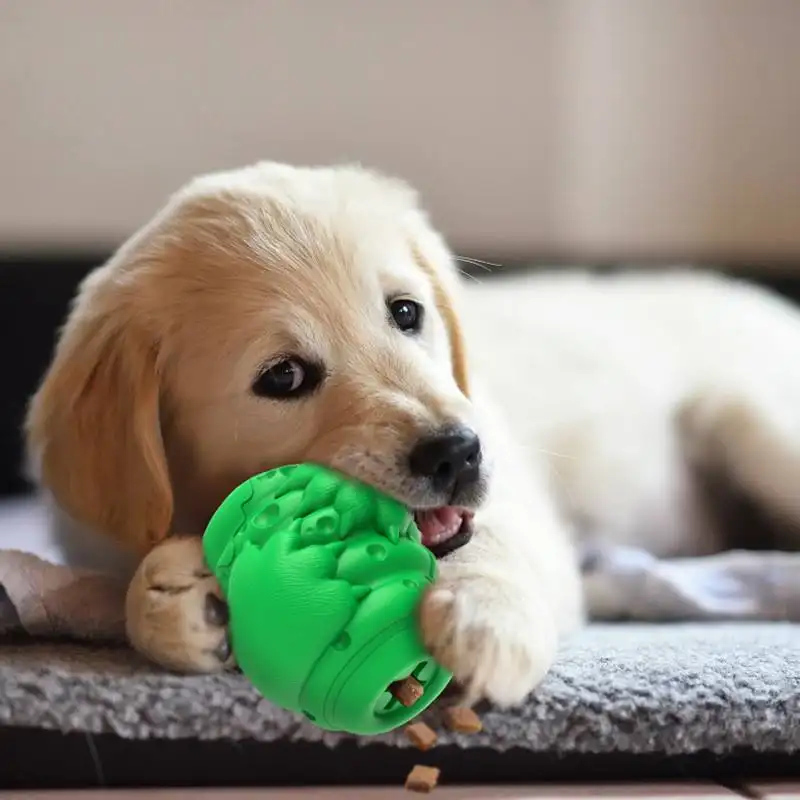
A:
450	461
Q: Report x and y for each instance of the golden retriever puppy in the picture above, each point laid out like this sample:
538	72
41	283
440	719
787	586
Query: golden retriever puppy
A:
274	315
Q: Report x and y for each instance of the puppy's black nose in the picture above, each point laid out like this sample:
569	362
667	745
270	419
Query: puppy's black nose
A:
450	460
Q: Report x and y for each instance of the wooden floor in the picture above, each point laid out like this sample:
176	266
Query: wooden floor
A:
757	791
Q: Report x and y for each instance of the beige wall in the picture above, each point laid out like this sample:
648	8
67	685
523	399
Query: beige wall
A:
681	126
586	127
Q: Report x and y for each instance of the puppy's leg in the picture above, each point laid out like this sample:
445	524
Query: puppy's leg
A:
175	614
752	434
748	432
501	603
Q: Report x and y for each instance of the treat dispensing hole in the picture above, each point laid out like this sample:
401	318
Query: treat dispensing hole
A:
407	691
404	693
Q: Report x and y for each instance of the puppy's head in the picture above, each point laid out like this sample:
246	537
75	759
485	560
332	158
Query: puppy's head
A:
266	316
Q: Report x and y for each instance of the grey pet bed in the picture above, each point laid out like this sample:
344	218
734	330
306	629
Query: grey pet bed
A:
667	692
673	700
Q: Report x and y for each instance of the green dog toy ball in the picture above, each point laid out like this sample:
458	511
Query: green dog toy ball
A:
323	576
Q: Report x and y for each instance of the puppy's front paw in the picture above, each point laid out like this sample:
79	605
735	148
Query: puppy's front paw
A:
498	642
175	614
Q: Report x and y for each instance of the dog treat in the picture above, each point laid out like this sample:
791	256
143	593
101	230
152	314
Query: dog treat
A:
407	691
421	735
461	719
422	779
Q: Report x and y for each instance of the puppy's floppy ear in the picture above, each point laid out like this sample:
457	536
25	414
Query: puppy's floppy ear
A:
93	426
435	259
458	355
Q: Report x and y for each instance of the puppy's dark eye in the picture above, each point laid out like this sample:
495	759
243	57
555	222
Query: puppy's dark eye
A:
288	379
406	314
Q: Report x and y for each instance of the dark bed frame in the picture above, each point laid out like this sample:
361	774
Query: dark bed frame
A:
38	759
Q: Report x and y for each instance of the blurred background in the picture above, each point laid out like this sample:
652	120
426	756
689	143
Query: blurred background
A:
541	133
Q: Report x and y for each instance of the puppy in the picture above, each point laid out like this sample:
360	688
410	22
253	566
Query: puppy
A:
274	315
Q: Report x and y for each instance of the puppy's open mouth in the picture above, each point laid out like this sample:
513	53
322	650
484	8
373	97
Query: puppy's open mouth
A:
444	529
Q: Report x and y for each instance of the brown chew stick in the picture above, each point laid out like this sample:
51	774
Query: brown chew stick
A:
422	779
407	691
421	736
461	719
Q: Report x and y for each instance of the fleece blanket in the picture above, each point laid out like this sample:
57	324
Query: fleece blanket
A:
52	601
49	600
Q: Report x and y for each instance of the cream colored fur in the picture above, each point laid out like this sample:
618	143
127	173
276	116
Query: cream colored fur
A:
590	395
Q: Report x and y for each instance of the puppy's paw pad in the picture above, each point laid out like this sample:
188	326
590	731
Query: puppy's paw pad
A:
216	611
222	652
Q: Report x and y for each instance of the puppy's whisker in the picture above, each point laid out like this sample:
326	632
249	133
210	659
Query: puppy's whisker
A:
553	453
561	482
478	266
477	262
469	275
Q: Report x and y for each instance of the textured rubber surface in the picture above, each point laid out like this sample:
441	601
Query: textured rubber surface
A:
323	576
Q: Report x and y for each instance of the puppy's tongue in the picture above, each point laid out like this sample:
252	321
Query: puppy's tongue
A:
437	525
